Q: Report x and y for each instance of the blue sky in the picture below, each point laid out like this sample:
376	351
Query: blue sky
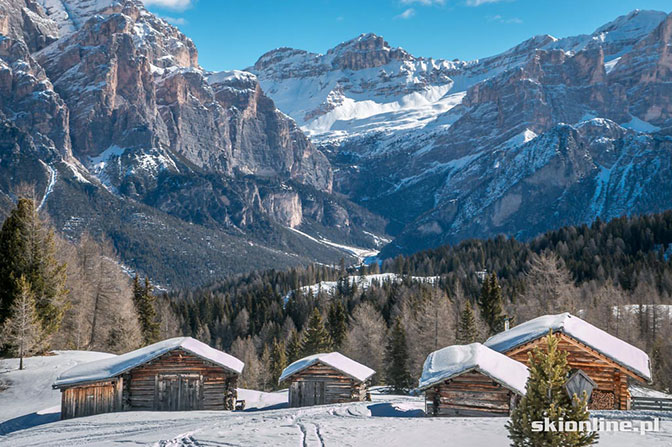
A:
232	34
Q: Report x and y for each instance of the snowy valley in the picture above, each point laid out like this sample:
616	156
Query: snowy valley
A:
27	400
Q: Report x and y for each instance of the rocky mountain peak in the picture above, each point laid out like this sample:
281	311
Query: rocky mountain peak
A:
365	51
269	59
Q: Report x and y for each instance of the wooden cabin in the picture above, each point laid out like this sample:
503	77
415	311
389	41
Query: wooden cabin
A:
471	380
327	378
607	360
180	374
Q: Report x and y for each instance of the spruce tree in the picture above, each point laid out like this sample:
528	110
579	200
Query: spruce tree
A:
467	330
397	372
278	362
316	338
337	323
22	331
293	347
144	300
546	397
27	249
491	304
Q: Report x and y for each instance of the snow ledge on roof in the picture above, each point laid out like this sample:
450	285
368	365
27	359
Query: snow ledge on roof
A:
334	359
455	360
626	355
114	366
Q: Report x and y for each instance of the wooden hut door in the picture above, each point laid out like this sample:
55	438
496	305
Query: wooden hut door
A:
178	392
311	392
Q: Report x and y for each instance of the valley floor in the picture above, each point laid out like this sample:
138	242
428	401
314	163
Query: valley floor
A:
386	421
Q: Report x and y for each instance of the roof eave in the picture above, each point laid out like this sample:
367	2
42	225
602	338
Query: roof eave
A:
562	331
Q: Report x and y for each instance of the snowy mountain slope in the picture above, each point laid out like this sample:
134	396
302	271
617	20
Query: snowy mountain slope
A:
467	160
70	15
29	391
365	86
362	282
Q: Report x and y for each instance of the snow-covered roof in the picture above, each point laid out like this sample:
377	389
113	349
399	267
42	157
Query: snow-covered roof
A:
334	359
455	360
114	366
626	355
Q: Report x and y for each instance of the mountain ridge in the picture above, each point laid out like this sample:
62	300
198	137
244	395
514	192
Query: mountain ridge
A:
120	132
417	158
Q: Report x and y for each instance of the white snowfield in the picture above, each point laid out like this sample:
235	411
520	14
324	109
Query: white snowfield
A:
452	361
334	359
388	421
114	366
616	349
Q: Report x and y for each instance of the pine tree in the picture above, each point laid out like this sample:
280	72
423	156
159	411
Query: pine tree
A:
396	358
491	304
316	338
144	300
337	323
27	249
294	347
278	362
22	331
546	397
467	330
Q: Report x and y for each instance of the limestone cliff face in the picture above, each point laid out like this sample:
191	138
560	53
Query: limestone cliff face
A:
150	94
106	113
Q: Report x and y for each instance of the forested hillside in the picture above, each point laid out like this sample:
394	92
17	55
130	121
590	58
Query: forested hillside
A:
616	275
611	274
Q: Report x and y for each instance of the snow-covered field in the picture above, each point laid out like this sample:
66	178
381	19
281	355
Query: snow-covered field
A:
386	421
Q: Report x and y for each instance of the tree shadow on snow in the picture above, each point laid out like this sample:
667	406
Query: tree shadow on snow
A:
27	421
388	410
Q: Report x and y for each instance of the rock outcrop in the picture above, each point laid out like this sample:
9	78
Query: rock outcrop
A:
106	113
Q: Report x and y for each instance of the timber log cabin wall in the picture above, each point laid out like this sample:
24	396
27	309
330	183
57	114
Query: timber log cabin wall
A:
469	394
611	378
167	376
321	384
609	361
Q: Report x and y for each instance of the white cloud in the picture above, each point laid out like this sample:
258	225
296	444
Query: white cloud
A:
499	19
177	5
424	2
481	2
175	20
407	14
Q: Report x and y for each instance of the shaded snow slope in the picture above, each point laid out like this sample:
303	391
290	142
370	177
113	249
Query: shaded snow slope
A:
30	391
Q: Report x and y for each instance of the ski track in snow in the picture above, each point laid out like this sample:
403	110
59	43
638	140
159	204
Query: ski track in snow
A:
50	186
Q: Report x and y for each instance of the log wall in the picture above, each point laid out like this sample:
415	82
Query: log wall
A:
141	390
338	387
469	394
610	377
177	380
95	398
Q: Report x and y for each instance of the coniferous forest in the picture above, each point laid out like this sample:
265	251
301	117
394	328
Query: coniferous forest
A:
74	294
